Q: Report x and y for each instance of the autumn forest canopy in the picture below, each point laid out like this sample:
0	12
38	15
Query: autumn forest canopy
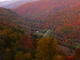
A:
40	30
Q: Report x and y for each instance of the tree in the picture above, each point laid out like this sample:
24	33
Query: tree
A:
7	54
19	56
28	56
58	57
46	49
77	54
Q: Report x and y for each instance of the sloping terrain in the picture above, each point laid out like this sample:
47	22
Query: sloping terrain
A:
10	17
39	10
63	15
67	23
12	32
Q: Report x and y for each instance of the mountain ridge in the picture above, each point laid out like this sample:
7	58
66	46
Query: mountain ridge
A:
40	9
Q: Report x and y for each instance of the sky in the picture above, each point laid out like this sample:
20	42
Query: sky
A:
7	0
4	0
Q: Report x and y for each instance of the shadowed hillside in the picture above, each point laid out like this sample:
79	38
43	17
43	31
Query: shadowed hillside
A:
8	16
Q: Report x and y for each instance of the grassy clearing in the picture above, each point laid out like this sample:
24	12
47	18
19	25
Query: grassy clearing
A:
48	33
41	32
44	33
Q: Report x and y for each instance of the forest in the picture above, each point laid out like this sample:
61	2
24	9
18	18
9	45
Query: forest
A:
40	30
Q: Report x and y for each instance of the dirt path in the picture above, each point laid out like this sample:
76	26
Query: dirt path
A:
46	32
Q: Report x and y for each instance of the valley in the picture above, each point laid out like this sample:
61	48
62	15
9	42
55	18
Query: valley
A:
40	30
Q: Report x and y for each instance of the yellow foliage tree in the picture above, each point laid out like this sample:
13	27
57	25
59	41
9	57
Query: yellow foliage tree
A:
19	56
77	54
8	54
58	57
28	56
46	49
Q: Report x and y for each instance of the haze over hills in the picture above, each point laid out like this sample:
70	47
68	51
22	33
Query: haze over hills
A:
6	2
17	3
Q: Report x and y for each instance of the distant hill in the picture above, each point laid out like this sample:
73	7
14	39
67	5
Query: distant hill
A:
67	22
63	15
39	10
17	3
5	3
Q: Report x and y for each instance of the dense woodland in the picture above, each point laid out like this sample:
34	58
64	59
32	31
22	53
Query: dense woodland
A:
33	32
62	19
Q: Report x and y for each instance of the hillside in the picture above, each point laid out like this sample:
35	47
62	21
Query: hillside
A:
12	33
67	26
10	17
40	30
67	21
39	10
